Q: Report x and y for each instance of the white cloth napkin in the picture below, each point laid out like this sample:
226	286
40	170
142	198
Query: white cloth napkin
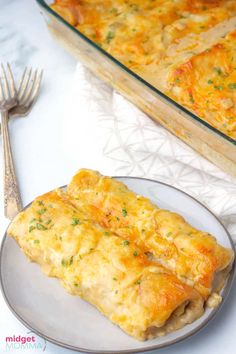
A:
103	131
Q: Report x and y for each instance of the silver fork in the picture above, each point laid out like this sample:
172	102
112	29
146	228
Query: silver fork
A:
19	103
8	100
27	92
25	104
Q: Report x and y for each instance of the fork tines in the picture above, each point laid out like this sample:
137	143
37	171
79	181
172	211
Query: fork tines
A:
7	84
29	86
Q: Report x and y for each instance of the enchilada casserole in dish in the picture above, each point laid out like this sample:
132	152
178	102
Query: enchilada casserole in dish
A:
124	255
183	48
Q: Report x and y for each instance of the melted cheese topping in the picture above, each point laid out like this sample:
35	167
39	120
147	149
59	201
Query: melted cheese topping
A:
206	84
113	275
193	255
148	36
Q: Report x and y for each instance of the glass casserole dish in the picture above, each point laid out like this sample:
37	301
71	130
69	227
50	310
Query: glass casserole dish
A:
196	132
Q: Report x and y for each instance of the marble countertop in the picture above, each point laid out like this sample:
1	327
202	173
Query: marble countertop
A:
38	152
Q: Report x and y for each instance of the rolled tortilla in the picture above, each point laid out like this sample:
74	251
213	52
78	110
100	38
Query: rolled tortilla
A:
193	256
143	298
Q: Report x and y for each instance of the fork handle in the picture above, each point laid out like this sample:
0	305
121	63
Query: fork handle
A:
12	200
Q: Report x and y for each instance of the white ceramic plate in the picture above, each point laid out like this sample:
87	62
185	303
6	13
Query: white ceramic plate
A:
44	306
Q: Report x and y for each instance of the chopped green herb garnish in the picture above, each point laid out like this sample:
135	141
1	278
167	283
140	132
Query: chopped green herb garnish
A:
50	206
80	257
41	211
36	241
40	202
32	220
217	70
124	212
177	80
191	99
183	276
40	226
64	262
126	243
106	233
135	253
110	36
138	282
75	221
67	263
135	7
114	10
232	86
75	284
143	230
118	219
218	87
31	228
114	279
169	234
48	222
210	82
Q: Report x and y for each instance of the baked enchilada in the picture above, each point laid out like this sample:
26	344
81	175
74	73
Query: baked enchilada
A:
142	297
193	256
155	38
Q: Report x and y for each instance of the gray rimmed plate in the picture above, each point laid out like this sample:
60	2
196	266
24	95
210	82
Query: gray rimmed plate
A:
42	305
